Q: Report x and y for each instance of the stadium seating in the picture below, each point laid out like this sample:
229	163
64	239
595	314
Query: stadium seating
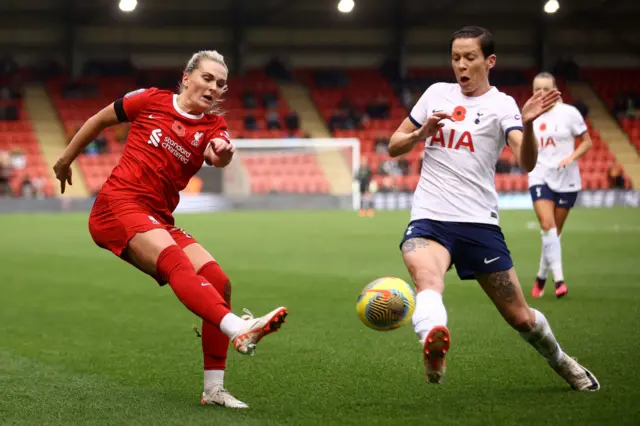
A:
290	173
99	91
18	135
360	86
609	84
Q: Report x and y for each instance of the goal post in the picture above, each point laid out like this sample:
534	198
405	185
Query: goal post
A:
294	167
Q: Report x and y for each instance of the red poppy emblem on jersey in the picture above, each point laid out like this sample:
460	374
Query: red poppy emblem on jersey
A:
543	127
179	129
459	113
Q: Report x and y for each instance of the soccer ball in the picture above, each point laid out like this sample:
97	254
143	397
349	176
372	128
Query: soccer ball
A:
386	304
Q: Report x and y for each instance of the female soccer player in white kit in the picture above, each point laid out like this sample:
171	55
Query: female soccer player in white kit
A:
555	182
454	218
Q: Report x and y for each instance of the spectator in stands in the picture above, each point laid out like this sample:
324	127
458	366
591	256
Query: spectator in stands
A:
582	108
341	120
250	122
379	108
5	174
390	167
503	166
624	106
277	69
403	165
273	120
407	98
381	145
38	187
292	121
249	100
270	100
18	159
616	177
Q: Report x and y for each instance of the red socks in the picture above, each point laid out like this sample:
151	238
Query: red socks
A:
215	343
194	291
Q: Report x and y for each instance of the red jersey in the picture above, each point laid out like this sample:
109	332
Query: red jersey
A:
164	149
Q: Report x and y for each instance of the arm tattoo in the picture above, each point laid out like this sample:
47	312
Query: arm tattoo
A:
414	244
501	286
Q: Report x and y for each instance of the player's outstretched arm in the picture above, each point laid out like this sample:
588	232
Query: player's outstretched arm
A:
584	146
405	138
87	133
523	143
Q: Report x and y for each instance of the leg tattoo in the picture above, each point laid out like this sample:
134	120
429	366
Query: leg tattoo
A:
414	244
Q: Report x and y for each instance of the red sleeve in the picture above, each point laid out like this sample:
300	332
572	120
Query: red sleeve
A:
220	131
128	108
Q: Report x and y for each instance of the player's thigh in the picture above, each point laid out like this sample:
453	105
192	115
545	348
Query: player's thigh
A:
144	248
544	205
425	254
564	203
503	288
561	215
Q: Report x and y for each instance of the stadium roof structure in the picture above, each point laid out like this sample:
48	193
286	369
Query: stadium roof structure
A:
320	13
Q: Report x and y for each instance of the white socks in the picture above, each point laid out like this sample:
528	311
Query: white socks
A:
543	270
429	312
543	340
552	252
213	379
232	324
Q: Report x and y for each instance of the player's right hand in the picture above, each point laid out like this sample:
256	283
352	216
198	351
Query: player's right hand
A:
62	169
432	125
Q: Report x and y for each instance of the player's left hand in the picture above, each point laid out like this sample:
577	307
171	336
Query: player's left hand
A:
223	151
564	163
538	104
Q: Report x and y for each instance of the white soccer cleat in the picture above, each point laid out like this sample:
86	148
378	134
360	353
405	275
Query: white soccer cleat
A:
246	340
221	397
576	375
435	348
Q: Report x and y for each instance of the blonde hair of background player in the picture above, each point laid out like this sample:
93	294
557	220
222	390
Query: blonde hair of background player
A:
194	63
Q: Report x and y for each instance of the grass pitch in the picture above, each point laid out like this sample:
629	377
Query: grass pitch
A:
86	339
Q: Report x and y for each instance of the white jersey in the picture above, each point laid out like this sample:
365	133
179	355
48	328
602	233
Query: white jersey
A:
556	131
457	181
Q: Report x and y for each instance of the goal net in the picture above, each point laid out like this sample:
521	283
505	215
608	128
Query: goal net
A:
294	173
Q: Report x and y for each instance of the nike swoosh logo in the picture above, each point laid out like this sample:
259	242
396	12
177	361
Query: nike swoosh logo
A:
486	262
205	284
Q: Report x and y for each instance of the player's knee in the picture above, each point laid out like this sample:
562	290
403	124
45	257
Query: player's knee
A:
522	320
425	278
547	224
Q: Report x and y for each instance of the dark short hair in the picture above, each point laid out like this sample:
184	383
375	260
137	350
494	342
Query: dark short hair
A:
487	44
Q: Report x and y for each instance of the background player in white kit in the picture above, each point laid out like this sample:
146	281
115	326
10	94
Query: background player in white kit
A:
555	182
454	219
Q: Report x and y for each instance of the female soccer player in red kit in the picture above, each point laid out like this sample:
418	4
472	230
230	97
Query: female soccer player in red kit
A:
171	136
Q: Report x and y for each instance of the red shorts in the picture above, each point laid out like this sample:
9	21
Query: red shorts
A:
114	221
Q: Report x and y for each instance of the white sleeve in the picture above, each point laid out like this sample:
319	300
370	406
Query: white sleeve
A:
511	118
420	111
578	126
